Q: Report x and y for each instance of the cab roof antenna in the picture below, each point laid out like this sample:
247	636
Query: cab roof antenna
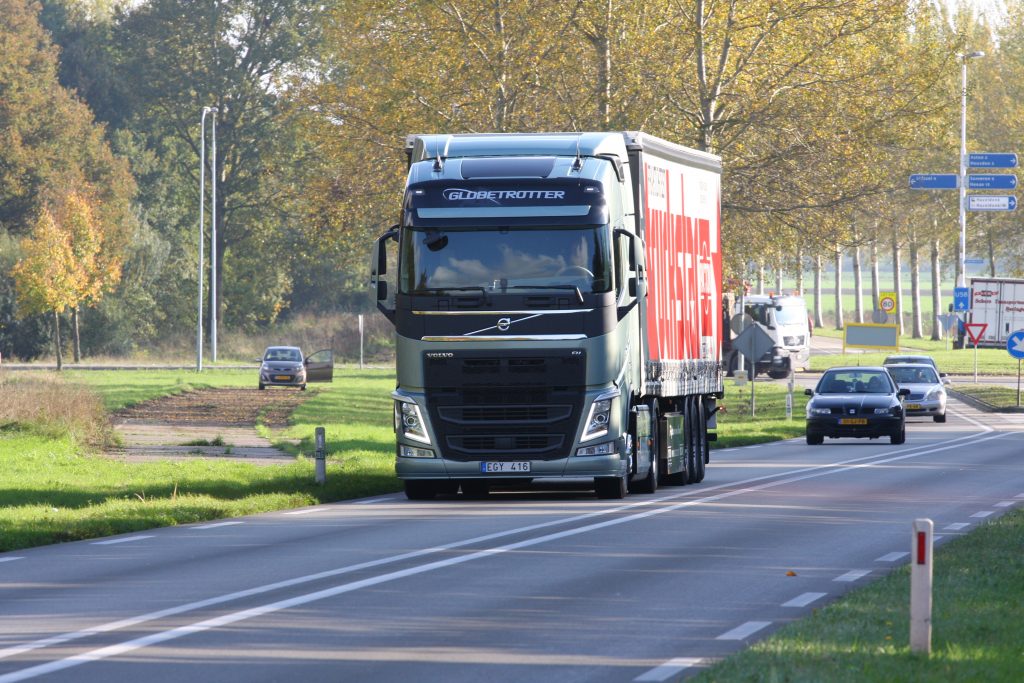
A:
577	163
439	157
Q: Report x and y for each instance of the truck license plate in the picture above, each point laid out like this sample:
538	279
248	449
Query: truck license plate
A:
517	467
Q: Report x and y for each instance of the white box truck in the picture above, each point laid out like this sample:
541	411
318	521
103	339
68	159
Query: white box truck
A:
998	302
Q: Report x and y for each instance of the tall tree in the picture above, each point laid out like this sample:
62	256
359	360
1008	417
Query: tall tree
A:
238	56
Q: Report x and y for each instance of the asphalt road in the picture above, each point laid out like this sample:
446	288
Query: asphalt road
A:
542	585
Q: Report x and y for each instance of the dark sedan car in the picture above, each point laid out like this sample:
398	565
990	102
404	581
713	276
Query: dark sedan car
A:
856	402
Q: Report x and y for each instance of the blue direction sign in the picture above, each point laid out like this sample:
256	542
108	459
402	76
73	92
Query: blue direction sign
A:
934	181
991	202
1015	344
991	181
992	160
961	298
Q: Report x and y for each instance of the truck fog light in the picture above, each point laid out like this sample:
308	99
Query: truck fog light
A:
413	452
607	448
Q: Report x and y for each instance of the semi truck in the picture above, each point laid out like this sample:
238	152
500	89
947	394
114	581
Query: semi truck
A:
784	318
998	302
557	308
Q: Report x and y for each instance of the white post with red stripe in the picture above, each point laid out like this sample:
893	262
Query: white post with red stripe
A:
921	586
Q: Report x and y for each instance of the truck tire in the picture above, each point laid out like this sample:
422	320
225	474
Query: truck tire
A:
700	453
610	487
419	489
649	484
694	454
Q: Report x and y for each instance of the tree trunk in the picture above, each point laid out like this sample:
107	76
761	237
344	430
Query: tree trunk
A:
875	284
56	340
839	288
858	284
818	318
915	290
937	331
77	338
760	277
800	271
897	278
778	278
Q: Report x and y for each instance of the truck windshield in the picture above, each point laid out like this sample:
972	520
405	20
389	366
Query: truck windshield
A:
792	315
496	259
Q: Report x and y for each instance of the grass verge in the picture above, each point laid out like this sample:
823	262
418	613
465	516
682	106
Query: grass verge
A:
995	396
977	633
736	426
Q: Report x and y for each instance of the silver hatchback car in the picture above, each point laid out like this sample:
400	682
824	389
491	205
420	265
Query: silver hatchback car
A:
285	366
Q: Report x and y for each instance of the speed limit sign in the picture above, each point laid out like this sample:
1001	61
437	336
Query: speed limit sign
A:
887	301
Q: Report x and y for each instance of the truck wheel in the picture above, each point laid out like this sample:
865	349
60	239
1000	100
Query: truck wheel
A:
778	375
693	450
418	489
648	484
701	437
610	487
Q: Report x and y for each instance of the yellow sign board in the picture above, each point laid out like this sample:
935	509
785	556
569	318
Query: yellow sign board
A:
887	301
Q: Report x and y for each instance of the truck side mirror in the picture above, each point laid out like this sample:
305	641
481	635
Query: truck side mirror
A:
631	284
380	267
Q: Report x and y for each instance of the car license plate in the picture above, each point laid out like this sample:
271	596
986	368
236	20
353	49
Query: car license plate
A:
517	467
913	406
853	421
282	378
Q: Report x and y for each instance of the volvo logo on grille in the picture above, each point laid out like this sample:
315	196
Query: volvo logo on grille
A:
504	324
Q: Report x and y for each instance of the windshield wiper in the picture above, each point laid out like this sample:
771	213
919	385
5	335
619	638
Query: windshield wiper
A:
579	294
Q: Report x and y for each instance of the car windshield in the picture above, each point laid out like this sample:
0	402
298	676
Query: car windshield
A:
499	259
290	355
856	381
920	375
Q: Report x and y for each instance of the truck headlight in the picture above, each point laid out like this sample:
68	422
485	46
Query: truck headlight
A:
606	448
409	421
600	414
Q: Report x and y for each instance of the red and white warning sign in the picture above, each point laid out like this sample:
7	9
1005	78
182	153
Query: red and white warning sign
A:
975	331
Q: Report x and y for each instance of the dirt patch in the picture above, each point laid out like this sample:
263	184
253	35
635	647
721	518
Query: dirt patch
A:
208	423
219	407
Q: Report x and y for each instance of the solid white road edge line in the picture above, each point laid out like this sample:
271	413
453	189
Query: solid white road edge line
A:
805	473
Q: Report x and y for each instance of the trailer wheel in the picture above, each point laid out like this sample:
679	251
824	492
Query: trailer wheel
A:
700	452
693	449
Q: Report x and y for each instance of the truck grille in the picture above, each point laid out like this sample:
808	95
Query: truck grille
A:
519	405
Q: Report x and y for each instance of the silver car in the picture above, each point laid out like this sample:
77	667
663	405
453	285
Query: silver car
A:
927	391
285	366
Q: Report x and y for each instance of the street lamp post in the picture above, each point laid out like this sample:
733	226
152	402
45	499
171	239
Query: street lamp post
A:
213	242
202	205
963	162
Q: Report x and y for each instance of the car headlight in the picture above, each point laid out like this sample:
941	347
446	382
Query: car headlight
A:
819	411
935	394
600	415
409	421
883	411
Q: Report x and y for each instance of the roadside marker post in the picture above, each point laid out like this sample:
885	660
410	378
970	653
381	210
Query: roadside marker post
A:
921	586
321	456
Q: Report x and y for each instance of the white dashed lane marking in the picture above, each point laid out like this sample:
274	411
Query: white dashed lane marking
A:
667	670
129	539
804	600
892	557
853	575
744	631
